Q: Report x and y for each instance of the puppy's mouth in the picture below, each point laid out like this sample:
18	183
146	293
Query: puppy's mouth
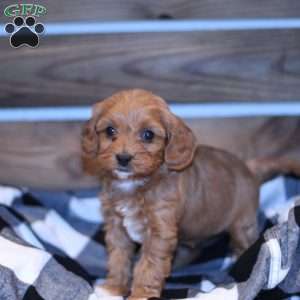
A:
123	173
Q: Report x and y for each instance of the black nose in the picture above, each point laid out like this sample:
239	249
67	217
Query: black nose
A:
123	159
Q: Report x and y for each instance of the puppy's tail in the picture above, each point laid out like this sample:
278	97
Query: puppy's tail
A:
267	168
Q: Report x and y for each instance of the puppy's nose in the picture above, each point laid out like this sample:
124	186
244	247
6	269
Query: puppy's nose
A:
123	159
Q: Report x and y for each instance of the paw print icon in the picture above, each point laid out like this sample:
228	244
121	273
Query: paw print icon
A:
24	32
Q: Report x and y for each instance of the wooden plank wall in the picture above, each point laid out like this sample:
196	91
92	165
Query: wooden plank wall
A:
91	10
198	66
182	67
47	154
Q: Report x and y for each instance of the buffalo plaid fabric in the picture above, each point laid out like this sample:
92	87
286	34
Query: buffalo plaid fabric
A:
52	247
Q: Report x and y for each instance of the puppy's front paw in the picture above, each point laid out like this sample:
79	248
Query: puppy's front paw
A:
103	293
135	298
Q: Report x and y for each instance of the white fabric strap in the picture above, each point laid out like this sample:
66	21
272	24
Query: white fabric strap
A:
57	232
276	273
26	262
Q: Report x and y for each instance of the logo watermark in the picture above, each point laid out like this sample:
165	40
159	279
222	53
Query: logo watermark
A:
24	29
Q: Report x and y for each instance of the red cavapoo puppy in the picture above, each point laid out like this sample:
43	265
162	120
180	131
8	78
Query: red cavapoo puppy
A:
162	190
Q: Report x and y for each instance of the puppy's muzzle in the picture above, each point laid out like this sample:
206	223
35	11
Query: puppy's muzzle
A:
123	159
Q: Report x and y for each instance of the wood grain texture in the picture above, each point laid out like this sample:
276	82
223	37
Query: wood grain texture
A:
46	155
91	10
208	66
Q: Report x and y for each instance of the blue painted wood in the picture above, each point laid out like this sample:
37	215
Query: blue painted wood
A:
84	28
188	111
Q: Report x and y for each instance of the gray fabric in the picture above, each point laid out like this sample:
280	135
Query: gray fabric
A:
266	266
78	256
11	288
287	234
55	282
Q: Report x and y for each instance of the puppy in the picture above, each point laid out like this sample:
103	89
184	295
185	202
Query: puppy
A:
161	189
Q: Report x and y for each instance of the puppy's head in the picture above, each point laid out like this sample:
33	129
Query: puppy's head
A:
132	134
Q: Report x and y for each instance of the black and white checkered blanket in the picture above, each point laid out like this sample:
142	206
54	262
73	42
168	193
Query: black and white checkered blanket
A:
52	247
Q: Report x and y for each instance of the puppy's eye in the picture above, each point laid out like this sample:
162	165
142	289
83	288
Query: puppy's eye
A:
147	135
110	131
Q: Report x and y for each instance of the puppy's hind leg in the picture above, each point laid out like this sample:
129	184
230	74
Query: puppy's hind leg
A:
243	233
185	255
243	230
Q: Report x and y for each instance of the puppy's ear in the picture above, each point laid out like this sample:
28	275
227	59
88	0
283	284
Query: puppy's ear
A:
90	141
181	144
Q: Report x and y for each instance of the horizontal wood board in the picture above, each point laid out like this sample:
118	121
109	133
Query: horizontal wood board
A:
47	155
250	65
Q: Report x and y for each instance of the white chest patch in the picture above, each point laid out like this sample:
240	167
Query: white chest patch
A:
134	224
128	185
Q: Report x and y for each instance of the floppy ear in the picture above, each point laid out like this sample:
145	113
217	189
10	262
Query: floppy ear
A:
181	144
90	141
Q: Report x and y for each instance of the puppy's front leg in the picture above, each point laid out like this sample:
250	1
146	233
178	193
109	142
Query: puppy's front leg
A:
157	253
120	254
